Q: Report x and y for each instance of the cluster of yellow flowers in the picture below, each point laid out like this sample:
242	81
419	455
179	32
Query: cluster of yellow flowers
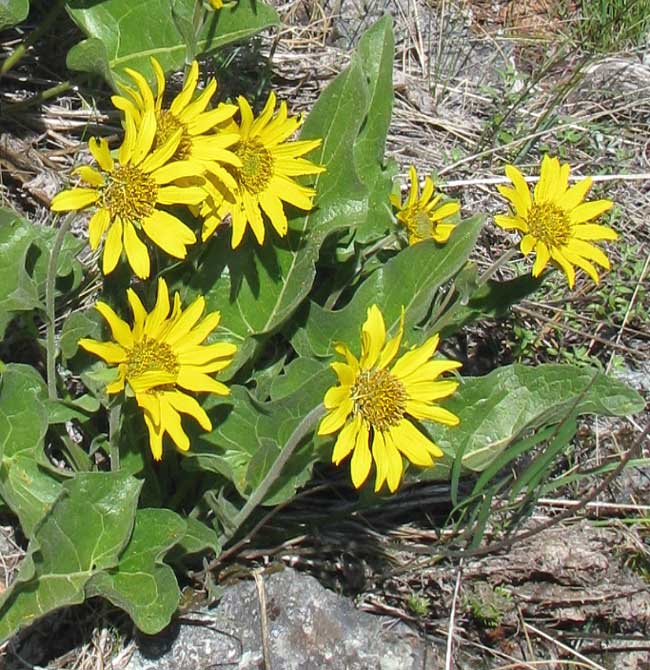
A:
226	165
222	168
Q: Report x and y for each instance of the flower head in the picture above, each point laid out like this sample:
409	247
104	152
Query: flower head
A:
423	215
162	356
373	406
201	136
265	178
128	194
555	221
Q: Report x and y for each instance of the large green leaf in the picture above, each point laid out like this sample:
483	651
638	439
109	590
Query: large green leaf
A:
141	584
24	254
123	33
25	486
377	53
249	435
85	532
410	280
495	410
13	12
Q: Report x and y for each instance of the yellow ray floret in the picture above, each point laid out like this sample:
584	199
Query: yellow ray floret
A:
160	357
128	195
265	179
423	215
202	138
555	221
373	407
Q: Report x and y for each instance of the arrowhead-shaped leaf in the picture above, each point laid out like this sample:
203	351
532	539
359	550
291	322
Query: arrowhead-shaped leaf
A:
122	33
141	584
25	486
85	532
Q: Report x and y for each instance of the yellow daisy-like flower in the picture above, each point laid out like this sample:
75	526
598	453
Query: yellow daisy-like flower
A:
554	222
423	216
216	4
374	400
128	194
160	355
201	137
265	179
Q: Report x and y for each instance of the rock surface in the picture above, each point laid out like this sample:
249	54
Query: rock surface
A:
305	627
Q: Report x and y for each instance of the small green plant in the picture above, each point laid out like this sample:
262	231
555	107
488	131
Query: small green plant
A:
488	605
418	604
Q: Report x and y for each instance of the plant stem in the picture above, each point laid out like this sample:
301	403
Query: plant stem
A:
50	290
15	57
501	261
260	492
36	99
113	431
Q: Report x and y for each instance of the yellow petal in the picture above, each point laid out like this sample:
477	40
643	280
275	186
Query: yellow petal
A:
150	379
273	208
187	321
520	185
416	446
415	358
101	153
119	329
181	195
541	259
392	347
574	195
335	396
593	231
109	351
171	422
97	226
361	457
168	232
156	318
192	380
76	198
380	457
589	210
423	410
198	334
187	405
186	94
217	355
136	252
89	175
511	222
139	313
335	419
373	337
394	466
565	266
589	251
346	440
112	247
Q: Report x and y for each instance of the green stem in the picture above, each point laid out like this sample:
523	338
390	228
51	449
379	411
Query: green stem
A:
14	58
261	491
39	97
50	290
500	262
113	433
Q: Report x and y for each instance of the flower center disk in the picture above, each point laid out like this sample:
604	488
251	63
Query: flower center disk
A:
130	194
550	224
257	165
380	398
150	355
166	125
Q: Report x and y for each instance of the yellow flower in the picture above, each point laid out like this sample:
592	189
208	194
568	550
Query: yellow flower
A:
161	354
198	141
128	195
555	221
374	400
216	4
422	215
264	182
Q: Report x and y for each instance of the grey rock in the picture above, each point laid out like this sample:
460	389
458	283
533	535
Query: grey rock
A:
307	627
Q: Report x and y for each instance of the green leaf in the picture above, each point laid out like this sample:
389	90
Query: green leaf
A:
495	410
249	435
85	532
296	376
376	54
197	538
13	12
410	279
24	253
25	486
76	326
141	584
82	408
491	300
122	34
